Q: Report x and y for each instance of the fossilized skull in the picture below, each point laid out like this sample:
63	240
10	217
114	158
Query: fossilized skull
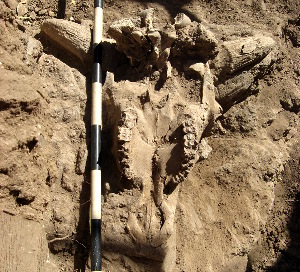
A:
158	133
158	130
157	140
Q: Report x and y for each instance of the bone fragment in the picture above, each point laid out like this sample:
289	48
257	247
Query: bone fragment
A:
242	52
195	69
147	17
73	37
195	40
181	21
233	89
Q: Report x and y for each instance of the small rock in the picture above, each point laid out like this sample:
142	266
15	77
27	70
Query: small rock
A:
154	37
204	149
71	114
81	161
168	36
293	32
181	21
34	47
66	182
169	70
291	101
197	69
51	13
259	4
263	5
42	12
26	197
32	15
86	22
138	36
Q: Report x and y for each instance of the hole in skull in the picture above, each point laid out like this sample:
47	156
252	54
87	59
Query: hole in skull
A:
177	135
169	188
174	164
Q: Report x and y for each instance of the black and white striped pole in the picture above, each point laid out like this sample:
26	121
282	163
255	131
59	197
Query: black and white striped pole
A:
96	123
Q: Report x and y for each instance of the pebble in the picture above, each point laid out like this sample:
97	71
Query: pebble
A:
42	12
32	15
51	13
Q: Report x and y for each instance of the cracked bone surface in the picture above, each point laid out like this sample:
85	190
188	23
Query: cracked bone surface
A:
156	144
158	132
74	37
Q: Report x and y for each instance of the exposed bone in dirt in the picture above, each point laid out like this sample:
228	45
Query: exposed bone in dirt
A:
201	129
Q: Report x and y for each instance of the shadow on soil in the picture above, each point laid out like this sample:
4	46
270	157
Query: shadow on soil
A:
290	258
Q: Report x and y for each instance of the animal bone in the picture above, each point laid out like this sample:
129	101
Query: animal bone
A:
156	146
253	54
73	37
158	135
181	21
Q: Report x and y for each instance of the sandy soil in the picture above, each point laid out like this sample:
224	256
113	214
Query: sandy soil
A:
236	210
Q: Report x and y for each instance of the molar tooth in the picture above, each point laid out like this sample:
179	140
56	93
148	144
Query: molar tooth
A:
123	153
190	137
189	153
129	124
188	129
125	134
185	167
186	172
188	143
126	146
180	177
189	140
175	180
127	172
188	122
124	162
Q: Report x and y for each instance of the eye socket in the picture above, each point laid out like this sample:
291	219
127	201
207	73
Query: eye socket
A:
176	135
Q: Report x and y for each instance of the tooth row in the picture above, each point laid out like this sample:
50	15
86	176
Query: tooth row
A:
189	150
125	126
